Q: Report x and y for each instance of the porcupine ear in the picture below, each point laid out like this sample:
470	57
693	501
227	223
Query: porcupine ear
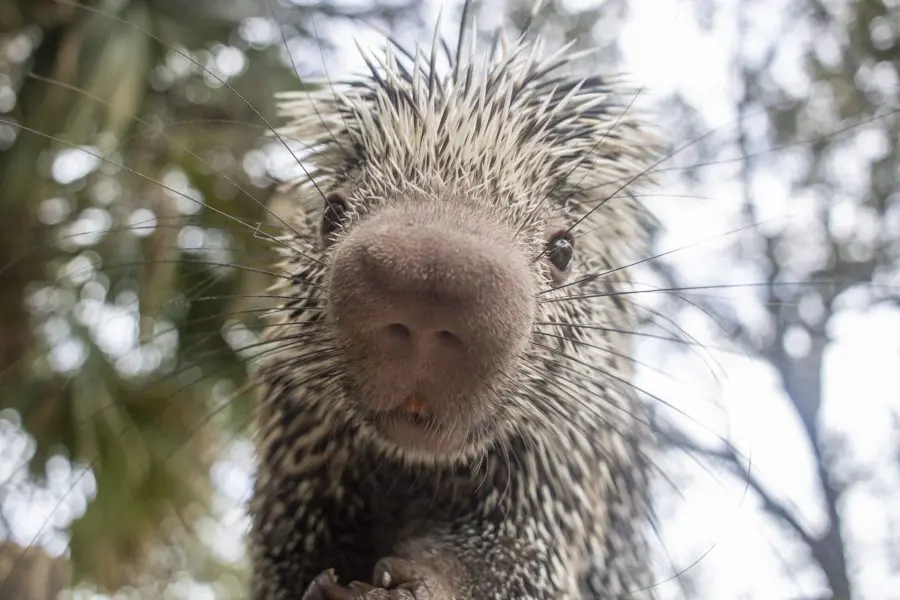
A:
336	204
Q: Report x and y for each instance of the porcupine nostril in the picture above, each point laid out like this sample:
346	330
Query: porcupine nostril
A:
448	339
398	332
422	296
404	339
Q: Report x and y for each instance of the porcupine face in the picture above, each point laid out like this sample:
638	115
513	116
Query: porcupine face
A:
432	302
444	202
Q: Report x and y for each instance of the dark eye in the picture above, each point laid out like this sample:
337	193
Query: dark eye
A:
335	208
560	249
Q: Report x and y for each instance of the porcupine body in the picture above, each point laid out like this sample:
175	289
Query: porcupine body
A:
451	390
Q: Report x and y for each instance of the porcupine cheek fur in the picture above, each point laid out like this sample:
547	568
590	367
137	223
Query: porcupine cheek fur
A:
432	303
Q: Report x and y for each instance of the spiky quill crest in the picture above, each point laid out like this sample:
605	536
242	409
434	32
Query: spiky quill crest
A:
512	130
516	126
530	145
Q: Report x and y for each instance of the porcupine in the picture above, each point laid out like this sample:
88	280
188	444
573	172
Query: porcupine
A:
433	427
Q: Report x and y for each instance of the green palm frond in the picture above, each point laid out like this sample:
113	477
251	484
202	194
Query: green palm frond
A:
148	439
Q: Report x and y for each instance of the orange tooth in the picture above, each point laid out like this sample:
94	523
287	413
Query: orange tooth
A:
415	404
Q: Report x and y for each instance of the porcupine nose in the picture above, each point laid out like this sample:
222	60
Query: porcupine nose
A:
429	303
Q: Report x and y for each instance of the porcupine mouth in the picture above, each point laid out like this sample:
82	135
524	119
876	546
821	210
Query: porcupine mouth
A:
411	427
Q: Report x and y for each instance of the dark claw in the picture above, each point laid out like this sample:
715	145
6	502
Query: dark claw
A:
394	579
393	572
360	589
318	589
326	587
405	579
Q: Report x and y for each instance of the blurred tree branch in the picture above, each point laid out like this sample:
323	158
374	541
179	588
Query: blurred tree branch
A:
846	268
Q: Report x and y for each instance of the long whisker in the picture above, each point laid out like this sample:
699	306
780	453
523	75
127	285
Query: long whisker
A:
648	335
652	169
271	7
221	81
595	276
781	147
621	380
137	173
723	286
177	144
622	355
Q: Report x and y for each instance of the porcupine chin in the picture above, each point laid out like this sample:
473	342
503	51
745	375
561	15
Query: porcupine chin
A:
423	418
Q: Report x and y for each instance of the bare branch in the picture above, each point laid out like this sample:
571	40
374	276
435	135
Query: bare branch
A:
729	455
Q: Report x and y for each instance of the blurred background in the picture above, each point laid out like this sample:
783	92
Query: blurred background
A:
137	189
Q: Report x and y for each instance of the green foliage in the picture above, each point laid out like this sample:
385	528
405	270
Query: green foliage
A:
135	204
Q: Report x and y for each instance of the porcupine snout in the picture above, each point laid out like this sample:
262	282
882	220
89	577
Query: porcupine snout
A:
432	305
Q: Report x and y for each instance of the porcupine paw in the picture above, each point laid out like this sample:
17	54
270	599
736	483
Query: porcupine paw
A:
393	579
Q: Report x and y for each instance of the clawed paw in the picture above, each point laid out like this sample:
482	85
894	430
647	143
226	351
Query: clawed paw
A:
392	579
